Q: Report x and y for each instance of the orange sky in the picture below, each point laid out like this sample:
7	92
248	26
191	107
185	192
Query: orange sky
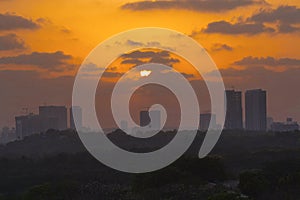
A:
76	27
91	21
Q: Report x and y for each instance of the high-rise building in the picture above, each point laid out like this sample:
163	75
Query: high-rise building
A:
206	119
144	118
53	117
124	125
234	110
156	119
76	113
27	125
256	110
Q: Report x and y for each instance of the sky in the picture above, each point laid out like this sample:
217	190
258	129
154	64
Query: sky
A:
254	43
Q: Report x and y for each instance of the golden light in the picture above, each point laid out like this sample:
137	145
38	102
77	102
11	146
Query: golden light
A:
145	73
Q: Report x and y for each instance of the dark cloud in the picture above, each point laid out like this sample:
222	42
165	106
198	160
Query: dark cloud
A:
286	19
221	47
287	28
11	42
193	5
138	58
268	61
66	30
224	27
11	22
108	74
57	61
188	75
146	54
134	43
91	67
133	61
285	14
151	44
163	60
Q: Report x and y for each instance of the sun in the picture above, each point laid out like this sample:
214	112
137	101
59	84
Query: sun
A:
145	73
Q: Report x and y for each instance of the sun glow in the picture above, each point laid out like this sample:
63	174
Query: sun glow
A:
145	73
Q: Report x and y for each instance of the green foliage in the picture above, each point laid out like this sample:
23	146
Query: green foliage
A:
187	170
53	191
36	168
227	196
253	183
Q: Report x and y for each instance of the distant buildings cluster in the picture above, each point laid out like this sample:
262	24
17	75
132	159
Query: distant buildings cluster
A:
49	117
56	117
255	114
289	125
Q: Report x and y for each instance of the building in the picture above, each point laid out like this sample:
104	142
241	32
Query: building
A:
144	118
206	119
27	125
76	113
7	135
234	110
270	121
50	117
53	117
287	126
256	110
124	125
155	116
156	120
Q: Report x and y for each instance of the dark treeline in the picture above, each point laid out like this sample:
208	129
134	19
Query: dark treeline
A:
243	165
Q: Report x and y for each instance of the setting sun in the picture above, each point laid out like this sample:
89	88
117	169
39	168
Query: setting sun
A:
145	73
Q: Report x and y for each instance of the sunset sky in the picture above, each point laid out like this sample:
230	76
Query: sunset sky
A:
255	44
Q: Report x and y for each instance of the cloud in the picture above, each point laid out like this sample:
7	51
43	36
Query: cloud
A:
268	61
11	42
188	75
134	43
91	67
286	19
12	22
108	74
151	44
287	28
146	54
138	57
65	30
221	47
162	60
56	61
133	61
285	14
192	5
224	27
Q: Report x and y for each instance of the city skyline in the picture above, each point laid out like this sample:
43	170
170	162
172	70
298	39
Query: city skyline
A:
235	106
255	118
